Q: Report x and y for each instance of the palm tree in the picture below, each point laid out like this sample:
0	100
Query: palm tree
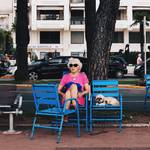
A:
138	16
22	40
8	42
101	37
2	39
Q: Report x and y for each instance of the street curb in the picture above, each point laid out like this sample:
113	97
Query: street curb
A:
130	86
120	86
7	77
139	125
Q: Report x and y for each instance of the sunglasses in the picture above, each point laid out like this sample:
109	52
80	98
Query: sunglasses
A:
73	65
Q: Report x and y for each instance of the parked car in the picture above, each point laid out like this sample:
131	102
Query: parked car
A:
56	67
117	67
4	65
139	69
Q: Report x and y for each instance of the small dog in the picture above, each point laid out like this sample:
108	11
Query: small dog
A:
102	100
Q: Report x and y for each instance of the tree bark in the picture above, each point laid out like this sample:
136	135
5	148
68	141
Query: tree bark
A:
22	40
105	20
90	11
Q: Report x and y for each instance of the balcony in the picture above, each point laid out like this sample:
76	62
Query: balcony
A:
137	26
50	14
77	21
121	24
3	26
50	24
77	1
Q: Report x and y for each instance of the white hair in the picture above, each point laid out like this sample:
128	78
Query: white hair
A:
74	61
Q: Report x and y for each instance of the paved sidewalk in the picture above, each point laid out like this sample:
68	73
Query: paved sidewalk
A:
101	139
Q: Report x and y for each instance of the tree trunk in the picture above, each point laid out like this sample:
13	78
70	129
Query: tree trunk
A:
90	11
142	39
22	40
102	38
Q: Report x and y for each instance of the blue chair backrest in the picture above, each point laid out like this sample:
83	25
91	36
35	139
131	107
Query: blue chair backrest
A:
108	88
45	94
147	79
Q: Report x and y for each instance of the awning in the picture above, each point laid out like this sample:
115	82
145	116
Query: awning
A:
49	8
77	8
3	16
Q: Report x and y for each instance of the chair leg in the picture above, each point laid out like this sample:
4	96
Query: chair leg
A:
60	129
33	128
11	126
91	122
145	99
87	121
78	123
120	126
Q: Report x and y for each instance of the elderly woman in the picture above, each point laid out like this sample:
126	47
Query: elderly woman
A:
74	84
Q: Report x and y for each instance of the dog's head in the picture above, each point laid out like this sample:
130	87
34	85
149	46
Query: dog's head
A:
99	98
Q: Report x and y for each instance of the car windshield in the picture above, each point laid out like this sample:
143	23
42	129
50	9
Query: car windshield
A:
55	61
36	62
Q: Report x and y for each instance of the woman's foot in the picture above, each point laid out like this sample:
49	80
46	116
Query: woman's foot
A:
65	118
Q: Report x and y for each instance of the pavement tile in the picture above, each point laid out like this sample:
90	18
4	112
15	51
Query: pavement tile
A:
107	139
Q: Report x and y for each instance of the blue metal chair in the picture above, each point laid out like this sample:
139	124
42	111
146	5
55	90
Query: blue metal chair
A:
47	103
84	114
147	81
107	112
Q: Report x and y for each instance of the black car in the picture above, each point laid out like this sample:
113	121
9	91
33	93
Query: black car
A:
139	69
55	68
117	67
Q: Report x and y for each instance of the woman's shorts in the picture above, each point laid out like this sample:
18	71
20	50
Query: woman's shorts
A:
68	85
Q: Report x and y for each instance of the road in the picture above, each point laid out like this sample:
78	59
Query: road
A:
133	98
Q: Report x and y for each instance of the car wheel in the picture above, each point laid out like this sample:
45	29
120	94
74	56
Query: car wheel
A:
33	76
119	74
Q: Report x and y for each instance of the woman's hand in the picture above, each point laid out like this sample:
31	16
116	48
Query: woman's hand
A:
63	95
80	94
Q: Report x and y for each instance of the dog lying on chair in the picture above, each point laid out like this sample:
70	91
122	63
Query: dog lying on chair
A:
102	100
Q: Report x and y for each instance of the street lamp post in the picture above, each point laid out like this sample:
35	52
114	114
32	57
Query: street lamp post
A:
145	65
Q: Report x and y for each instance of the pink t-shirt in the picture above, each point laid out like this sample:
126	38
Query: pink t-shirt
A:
81	78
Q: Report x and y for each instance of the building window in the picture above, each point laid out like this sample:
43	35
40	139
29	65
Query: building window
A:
118	37
79	54
147	37
77	17
77	37
49	37
50	15
139	12
122	14
134	37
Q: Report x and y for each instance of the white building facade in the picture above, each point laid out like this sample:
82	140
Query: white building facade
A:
6	14
59	26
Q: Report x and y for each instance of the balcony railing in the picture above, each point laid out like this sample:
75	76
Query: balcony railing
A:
50	17
3	26
77	21
77	1
15	1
